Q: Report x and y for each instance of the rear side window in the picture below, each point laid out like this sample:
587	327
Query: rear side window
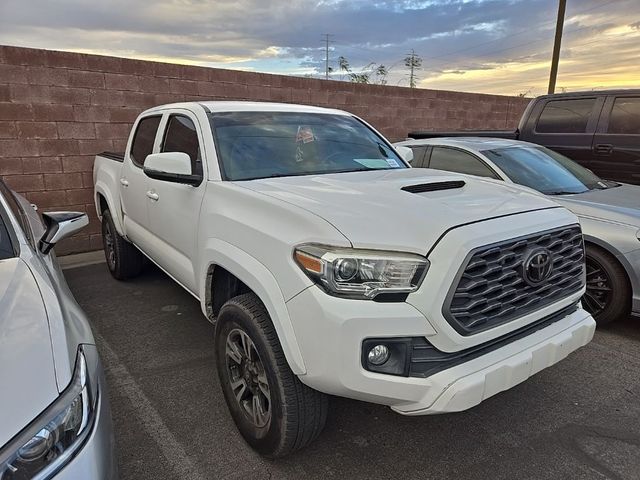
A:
6	248
625	116
418	155
143	139
181	136
566	116
453	160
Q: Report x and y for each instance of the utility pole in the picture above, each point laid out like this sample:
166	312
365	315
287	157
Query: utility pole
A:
414	62
562	6
327	39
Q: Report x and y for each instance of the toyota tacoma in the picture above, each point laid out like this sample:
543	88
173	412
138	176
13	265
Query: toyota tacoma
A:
330	267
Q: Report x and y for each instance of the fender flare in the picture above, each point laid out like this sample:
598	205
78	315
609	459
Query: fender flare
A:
260	280
618	255
116	213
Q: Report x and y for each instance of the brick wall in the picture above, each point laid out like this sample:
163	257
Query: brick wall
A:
58	109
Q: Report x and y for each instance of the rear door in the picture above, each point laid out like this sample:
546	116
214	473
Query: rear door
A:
174	213
566	125
133	181
616	144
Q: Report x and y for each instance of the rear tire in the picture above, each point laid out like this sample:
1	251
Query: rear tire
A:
123	259
289	415
608	295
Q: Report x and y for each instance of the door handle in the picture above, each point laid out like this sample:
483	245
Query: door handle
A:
124	182
603	149
153	195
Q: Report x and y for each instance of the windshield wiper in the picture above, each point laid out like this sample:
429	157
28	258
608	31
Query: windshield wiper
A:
562	192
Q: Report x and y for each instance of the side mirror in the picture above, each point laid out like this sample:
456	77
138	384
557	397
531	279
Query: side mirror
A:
171	167
60	225
405	152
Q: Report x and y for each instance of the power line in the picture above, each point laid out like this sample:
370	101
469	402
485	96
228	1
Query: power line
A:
477	45
414	62
327	40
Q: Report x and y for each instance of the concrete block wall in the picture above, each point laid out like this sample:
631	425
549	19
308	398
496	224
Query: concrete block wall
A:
58	109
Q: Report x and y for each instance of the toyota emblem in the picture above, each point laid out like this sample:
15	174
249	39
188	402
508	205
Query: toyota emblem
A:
537	266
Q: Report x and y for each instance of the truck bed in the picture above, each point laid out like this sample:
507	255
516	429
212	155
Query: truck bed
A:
117	156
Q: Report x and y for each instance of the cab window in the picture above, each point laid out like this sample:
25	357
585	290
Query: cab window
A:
143	139
625	116
566	116
453	160
181	136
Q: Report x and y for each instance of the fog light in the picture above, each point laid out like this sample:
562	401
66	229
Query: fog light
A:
378	355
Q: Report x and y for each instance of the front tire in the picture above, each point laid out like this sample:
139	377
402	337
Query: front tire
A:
275	413
608	295
123	259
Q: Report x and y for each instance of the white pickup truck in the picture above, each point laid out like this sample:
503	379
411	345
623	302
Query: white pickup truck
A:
329	266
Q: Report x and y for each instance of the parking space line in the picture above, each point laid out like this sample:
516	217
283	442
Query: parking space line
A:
151	420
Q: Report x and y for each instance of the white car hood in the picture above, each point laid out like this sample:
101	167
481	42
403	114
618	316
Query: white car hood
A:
372	211
27	372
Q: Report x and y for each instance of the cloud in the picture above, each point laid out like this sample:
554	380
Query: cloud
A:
483	45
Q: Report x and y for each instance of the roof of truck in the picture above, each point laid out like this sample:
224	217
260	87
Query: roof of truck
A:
592	93
239	106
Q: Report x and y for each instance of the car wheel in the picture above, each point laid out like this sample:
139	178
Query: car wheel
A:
608	295
123	259
275	413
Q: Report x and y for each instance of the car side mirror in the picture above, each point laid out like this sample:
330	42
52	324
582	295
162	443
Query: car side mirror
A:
60	225
171	167
405	152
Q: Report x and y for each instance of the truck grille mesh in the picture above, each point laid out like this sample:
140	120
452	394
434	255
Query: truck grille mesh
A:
491	289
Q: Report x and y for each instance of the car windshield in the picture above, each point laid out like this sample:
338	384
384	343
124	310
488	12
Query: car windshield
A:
545	170
253	145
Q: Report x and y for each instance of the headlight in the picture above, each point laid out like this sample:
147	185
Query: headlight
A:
45	445
354	273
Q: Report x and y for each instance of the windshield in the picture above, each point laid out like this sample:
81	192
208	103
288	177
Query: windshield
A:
278	144
545	170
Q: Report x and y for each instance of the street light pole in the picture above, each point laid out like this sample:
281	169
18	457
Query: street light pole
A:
562	6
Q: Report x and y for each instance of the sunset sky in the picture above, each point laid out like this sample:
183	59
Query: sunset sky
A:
492	46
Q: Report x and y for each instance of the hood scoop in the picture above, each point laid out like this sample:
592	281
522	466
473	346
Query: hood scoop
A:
434	186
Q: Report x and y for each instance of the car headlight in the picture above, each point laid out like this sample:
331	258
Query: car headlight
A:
363	274
48	442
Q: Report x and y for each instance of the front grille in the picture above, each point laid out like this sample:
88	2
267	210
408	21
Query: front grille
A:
491	290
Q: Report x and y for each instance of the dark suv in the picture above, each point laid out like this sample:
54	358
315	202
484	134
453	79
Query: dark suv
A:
600	130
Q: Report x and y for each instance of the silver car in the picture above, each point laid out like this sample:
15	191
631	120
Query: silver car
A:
55	420
609	211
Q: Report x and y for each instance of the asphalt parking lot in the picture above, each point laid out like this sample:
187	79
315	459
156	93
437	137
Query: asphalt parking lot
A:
578	419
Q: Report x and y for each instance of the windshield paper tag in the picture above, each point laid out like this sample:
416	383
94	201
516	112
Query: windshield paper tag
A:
391	162
304	135
372	162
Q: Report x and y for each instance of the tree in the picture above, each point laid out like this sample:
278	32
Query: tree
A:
381	74
365	74
343	64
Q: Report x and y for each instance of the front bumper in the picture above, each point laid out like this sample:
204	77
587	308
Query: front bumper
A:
96	458
330	332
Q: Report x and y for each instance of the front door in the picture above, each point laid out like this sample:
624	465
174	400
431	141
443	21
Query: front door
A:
174	215
566	126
